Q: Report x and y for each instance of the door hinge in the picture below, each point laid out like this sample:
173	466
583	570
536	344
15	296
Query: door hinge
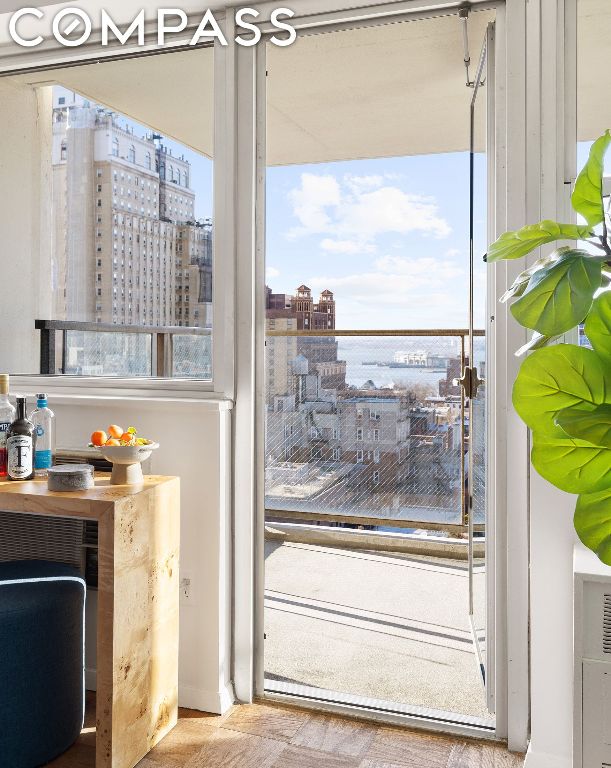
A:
469	381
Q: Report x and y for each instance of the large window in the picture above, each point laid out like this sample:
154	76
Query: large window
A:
130	251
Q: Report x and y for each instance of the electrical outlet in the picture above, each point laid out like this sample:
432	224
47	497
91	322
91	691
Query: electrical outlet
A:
185	590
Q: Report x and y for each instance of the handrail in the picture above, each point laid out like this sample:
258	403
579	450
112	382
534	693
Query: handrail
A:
77	325
455	332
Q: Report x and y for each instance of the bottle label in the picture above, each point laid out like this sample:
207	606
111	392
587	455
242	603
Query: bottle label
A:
19	458
4	425
40	430
42	459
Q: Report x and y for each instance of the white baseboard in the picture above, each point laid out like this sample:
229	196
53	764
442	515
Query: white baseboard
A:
537	759
217	702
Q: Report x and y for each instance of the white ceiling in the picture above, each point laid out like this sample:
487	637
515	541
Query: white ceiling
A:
391	90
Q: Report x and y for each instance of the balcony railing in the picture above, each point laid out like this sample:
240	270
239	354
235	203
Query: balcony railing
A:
97	349
322	465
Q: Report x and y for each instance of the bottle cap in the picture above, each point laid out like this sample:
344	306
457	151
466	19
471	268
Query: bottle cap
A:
41	399
4	383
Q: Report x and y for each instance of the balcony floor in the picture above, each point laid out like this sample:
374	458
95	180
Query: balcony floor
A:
390	627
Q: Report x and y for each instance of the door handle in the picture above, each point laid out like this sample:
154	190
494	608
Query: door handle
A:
469	381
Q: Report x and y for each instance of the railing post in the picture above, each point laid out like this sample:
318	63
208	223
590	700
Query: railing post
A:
47	350
160	350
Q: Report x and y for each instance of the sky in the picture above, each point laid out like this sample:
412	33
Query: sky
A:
389	236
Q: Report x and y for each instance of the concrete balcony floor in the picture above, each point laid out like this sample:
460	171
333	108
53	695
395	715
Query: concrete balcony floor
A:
390	627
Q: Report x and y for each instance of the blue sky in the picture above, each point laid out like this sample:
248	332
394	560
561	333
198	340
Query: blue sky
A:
388	236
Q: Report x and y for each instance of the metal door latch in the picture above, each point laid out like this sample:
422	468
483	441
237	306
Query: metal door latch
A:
469	381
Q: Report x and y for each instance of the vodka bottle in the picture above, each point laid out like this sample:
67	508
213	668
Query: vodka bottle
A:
43	419
7	416
20	445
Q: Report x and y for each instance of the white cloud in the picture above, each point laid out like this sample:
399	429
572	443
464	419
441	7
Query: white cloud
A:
346	246
271	272
311	201
358	184
359	210
407	293
431	269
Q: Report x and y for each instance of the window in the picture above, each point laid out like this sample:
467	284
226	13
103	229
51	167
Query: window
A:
359	433
99	147
376	435
375	477
316	453
374	415
336	454
313	432
359	457
376	456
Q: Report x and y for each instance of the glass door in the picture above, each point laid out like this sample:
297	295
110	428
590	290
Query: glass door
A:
475	369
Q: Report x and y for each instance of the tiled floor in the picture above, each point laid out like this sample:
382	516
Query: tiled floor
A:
263	736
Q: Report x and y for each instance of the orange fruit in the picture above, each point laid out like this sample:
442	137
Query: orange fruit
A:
113	441
99	437
115	431
128	437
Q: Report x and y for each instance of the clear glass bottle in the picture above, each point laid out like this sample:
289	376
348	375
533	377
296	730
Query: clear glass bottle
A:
20	445
43	420
7	417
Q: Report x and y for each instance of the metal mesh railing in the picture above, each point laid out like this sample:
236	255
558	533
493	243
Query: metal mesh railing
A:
367	427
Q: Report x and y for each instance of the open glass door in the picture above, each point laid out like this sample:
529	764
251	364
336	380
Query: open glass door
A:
475	369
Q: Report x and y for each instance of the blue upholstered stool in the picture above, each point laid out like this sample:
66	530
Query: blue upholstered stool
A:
42	608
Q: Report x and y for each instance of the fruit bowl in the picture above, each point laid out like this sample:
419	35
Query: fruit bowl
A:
126	461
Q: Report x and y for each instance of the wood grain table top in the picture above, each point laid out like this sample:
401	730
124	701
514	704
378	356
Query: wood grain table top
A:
33	496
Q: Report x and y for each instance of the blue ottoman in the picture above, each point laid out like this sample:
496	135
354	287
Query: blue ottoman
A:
42	697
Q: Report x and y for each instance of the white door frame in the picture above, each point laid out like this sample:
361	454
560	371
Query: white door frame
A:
533	156
249	686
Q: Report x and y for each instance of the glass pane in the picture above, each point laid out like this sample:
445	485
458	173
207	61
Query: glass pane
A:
367	306
130	221
108	354
366	426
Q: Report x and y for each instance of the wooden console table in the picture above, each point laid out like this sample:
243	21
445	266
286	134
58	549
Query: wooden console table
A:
137	628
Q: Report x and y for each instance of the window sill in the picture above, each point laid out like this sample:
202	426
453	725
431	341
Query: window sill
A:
67	388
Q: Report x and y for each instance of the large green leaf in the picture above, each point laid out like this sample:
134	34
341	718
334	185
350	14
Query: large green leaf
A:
513	245
587	198
520	284
598	325
559	377
575	466
593	522
560	295
593	426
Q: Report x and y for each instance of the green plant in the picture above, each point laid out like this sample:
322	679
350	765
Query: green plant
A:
563	391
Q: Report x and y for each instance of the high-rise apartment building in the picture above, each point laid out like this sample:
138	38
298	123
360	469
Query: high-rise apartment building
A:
128	250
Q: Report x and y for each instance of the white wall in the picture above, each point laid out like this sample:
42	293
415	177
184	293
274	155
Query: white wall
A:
24	284
194	444
551	615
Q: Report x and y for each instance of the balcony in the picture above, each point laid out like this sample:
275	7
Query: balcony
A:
367	534
98	349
